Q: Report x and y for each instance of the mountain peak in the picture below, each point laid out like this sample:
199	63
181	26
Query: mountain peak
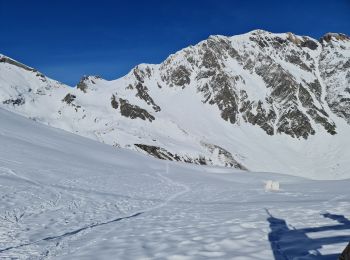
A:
87	81
258	32
5	59
334	36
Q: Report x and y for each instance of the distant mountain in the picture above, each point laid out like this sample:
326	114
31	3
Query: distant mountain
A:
258	101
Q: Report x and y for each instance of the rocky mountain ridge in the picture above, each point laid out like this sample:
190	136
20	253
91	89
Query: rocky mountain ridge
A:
207	103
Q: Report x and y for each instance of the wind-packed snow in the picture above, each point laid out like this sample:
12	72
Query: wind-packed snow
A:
67	197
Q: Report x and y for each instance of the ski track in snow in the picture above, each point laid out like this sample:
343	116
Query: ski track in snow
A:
78	199
91	226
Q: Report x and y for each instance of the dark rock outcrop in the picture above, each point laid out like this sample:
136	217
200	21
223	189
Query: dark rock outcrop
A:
15	102
134	111
142	92
69	98
82	84
114	102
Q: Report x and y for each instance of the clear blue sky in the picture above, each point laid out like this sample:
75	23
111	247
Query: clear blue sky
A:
67	39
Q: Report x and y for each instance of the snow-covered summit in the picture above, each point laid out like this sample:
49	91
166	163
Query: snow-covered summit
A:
224	101
335	37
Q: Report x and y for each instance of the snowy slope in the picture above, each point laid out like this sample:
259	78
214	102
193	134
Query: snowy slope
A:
257	101
67	197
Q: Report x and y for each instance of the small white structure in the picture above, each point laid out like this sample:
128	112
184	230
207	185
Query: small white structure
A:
272	186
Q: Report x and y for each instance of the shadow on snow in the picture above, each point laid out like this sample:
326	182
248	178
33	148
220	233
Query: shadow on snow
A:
289	243
72	232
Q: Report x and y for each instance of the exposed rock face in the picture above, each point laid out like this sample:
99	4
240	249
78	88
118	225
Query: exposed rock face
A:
290	106
158	152
225	156
82	85
180	76
15	102
114	102
163	154
262	117
329	37
220	153
224	96
334	69
87	81
69	98
8	60
142	93
134	111
4	59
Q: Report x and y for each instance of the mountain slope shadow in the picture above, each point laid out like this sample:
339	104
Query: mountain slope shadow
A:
289	243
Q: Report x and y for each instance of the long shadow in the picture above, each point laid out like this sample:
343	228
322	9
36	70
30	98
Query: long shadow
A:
76	231
289	243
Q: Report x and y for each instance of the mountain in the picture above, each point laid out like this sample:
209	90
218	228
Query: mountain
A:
259	101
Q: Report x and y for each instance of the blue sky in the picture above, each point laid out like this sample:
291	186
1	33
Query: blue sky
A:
68	39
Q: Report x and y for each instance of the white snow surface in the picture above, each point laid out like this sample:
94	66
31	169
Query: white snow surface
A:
68	197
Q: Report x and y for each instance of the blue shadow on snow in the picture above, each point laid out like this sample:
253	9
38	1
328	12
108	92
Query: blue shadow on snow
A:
289	243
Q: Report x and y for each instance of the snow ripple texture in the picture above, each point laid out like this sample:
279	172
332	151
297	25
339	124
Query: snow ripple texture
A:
67	197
